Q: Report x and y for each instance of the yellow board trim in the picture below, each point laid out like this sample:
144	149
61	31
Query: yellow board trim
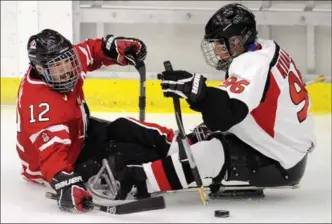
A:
114	95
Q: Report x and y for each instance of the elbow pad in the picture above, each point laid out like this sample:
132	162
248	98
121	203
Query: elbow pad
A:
220	112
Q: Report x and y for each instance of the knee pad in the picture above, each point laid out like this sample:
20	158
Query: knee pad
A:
209	156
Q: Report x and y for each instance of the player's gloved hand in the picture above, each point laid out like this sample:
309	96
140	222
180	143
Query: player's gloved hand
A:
124	50
73	197
183	84
201	133
128	176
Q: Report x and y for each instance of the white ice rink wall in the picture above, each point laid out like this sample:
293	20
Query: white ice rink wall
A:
20	20
172	30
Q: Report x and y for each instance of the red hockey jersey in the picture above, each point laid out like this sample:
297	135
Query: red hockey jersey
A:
51	126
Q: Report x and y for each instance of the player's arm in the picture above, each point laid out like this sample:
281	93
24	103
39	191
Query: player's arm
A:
109	50
226	106
54	146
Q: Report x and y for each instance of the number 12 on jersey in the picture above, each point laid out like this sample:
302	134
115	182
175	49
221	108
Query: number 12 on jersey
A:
41	116
35	116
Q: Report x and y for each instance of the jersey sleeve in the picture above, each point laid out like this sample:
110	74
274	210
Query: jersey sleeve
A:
91	55
247	79
53	144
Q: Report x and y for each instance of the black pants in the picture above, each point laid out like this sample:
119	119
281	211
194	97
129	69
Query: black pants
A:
138	143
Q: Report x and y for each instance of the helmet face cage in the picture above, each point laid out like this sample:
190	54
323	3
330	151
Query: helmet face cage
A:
217	51
62	72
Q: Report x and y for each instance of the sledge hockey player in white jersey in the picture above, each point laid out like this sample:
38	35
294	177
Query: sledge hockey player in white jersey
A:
261	109
257	127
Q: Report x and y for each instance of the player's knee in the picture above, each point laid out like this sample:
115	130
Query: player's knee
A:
118	128
119	122
209	157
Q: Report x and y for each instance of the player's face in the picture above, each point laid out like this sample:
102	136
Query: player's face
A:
61	71
223	53
64	68
220	50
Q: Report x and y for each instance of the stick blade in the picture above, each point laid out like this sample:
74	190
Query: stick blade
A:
142	205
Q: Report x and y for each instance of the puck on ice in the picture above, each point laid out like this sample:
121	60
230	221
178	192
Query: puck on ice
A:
221	213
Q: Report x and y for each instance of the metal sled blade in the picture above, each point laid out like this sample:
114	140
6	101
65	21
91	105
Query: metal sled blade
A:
234	191
243	191
237	194
249	187
103	184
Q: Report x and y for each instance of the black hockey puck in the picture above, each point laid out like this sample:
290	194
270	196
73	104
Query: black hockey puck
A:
221	213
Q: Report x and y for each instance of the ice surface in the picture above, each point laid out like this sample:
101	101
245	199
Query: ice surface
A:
25	202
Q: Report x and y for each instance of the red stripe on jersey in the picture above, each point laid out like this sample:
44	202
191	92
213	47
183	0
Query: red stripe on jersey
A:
284	62
160	175
166	131
265	113
282	71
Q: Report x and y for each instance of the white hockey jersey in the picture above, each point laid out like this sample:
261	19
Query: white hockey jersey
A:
278	124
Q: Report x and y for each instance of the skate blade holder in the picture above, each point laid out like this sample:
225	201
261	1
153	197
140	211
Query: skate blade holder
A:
244	191
103	184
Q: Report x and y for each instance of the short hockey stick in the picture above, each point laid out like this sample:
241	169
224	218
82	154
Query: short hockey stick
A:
183	143
140	67
148	204
142	98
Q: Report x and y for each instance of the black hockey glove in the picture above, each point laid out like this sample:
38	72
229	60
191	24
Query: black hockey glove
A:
124	50
201	133
183	84
128	177
72	195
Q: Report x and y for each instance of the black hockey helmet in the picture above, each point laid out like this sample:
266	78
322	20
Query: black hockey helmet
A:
232	20
55	59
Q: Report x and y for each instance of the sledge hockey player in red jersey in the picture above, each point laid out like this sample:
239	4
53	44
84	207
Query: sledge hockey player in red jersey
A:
58	142
257	127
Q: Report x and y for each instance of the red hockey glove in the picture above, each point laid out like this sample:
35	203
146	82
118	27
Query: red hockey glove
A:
118	49
72	195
